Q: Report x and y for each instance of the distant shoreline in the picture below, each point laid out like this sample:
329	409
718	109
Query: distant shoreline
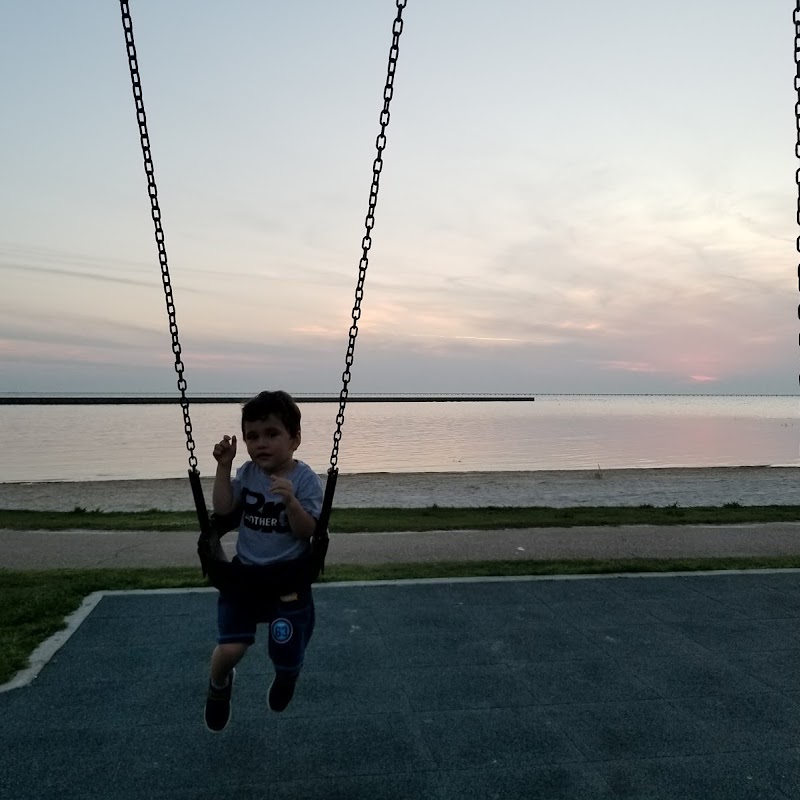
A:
685	486
408	397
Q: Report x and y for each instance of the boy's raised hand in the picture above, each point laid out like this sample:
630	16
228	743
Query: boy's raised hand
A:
225	451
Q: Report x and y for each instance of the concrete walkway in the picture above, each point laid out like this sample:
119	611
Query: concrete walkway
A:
58	549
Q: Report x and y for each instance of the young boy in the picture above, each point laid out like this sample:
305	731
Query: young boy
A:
280	500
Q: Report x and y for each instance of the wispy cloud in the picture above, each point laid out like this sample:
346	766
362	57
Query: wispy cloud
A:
72	273
629	366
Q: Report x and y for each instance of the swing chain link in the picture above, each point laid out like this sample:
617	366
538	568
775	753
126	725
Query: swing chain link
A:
366	242
133	64
797	126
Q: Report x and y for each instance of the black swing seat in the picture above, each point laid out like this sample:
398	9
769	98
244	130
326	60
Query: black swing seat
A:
257	582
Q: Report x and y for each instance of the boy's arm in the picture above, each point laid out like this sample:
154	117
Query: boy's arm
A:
301	522
222	497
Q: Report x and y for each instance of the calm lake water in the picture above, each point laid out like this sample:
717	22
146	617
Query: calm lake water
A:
107	442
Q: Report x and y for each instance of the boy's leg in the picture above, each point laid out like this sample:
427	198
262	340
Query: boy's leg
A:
224	658
237	630
290	630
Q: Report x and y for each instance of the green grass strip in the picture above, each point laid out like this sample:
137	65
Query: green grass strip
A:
370	520
34	604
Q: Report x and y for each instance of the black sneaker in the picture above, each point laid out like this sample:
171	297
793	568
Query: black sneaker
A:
218	705
281	691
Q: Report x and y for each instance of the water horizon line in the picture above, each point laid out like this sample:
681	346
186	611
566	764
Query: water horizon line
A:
127	398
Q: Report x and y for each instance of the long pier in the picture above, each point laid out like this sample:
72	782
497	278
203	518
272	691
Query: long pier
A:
116	400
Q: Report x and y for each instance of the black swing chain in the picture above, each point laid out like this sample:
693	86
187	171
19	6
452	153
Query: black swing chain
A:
127	24
366	242
797	126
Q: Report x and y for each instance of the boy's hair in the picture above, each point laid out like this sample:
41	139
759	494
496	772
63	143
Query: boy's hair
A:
281	404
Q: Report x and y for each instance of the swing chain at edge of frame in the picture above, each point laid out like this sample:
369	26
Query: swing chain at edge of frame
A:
369	223
797	144
155	212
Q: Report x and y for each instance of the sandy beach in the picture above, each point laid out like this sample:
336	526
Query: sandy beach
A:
626	487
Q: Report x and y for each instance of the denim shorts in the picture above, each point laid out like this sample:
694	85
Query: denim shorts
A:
291	624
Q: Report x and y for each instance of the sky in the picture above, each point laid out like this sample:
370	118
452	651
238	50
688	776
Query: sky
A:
576	197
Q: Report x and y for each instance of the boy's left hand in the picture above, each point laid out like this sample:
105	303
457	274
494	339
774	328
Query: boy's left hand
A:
283	487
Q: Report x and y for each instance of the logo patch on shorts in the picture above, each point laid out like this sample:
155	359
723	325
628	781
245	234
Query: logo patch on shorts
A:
281	630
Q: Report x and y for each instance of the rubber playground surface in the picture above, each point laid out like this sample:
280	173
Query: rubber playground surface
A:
680	686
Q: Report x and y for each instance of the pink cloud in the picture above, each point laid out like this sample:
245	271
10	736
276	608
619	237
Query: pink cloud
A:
630	366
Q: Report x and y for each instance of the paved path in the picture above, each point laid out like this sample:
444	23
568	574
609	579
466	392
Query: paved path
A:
659	688
55	549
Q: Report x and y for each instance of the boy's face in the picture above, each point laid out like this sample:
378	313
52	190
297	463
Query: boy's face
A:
269	444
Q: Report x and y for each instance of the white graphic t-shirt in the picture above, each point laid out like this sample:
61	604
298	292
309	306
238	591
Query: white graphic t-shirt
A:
264	532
